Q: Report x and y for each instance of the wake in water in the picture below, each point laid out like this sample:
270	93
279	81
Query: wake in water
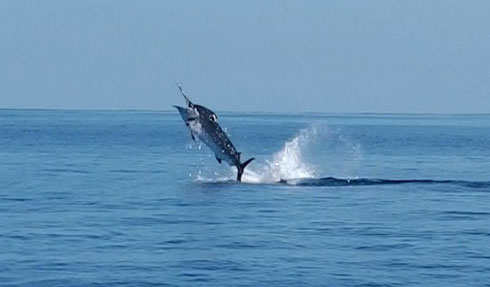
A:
332	181
293	164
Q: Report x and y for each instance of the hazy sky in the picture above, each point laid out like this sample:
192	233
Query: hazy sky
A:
278	56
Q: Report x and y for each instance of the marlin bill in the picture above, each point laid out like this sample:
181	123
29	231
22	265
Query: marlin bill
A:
203	123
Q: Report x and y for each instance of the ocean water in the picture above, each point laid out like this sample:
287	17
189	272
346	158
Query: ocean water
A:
125	198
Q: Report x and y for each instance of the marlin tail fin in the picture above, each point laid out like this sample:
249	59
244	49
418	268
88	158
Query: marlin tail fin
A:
242	168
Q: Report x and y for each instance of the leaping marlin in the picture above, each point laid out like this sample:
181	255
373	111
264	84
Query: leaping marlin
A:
203	123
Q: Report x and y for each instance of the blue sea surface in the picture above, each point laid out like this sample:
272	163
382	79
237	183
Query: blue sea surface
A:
126	198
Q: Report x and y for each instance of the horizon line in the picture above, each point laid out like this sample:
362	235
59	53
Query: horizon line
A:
241	112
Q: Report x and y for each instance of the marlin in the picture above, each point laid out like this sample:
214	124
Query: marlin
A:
203	123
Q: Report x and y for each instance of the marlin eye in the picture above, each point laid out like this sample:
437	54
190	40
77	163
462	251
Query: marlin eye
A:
190	105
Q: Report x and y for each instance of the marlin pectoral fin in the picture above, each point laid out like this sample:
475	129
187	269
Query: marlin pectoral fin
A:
189	120
193	138
218	159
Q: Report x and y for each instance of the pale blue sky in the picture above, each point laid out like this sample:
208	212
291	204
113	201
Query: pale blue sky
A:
277	56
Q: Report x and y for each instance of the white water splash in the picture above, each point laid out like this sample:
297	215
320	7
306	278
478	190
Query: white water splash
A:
287	163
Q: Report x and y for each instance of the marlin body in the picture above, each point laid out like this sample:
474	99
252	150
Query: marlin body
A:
203	123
